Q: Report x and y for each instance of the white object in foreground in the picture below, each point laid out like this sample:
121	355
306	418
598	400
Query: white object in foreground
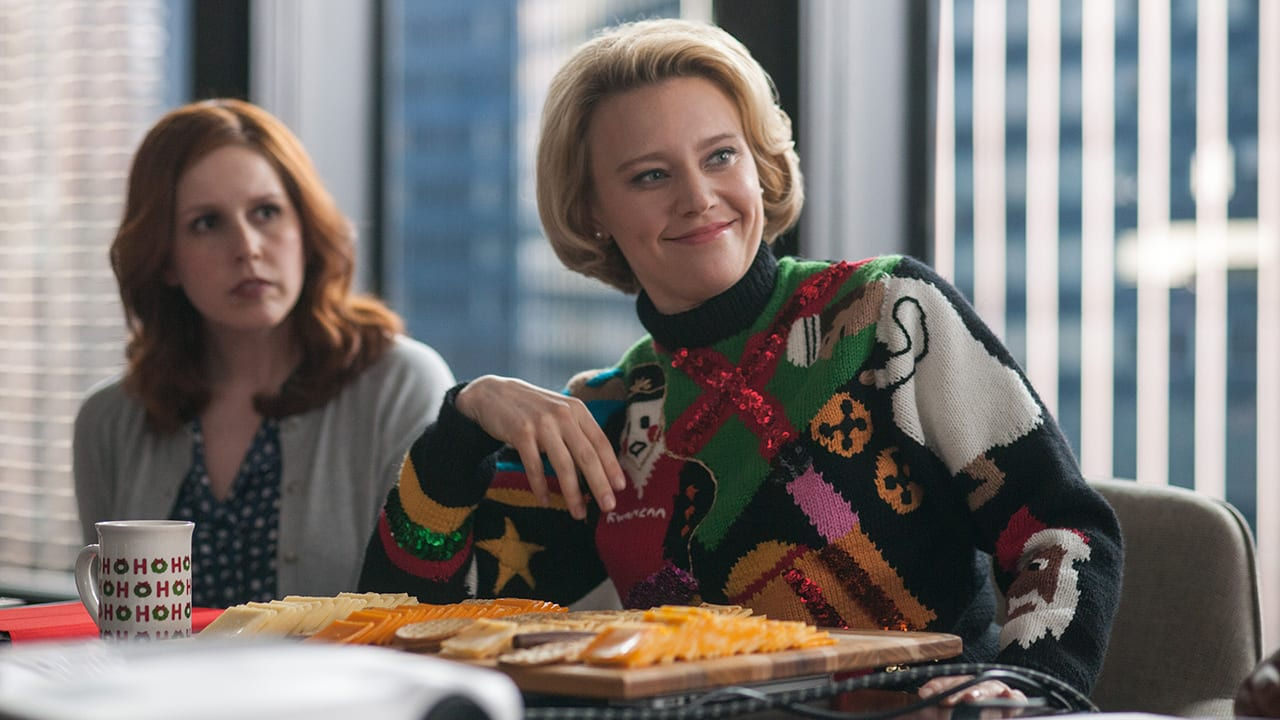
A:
247	680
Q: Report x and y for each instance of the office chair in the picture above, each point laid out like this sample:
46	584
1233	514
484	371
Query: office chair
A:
1189	627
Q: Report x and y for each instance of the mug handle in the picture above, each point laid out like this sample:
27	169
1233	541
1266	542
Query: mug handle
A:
87	580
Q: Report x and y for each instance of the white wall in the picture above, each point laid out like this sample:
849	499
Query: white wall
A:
853	100
311	66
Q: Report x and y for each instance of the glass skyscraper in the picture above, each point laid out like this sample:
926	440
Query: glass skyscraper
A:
466	261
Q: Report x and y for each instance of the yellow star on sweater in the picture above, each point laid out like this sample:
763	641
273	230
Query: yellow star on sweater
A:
513	556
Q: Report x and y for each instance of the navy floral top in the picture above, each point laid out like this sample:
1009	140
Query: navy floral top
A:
233	546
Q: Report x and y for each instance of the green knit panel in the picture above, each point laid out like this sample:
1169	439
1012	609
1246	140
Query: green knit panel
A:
638	354
800	391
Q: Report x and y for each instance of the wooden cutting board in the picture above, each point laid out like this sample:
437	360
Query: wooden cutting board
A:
854	650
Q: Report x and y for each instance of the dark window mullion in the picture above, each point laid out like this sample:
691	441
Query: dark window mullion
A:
771	31
220	56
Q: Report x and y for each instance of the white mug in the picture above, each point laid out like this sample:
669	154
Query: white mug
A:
136	581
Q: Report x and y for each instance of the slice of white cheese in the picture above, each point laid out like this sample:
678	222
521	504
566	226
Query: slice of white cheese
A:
300	613
239	620
383	600
327	610
286	617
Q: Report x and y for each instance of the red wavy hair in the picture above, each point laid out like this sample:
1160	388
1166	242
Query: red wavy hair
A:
340	333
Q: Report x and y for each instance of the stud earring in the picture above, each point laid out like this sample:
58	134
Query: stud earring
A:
599	236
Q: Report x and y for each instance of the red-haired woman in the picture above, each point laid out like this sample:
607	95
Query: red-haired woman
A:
262	398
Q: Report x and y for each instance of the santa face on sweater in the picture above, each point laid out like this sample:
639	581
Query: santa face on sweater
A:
1044	595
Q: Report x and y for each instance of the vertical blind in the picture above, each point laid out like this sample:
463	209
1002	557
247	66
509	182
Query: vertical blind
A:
79	82
1121	229
1268	325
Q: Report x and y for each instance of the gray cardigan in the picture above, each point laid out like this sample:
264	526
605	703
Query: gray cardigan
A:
338	462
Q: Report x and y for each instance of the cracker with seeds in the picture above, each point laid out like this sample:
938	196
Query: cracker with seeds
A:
560	651
426	636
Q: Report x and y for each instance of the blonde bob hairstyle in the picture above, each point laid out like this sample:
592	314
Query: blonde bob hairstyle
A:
632	56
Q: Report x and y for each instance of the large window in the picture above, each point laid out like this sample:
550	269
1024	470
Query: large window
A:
466	261
79	83
1106	187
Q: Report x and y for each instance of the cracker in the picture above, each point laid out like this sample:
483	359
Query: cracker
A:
524	639
483	638
534	617
428	634
561	651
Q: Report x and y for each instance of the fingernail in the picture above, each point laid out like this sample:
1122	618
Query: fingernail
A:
607	503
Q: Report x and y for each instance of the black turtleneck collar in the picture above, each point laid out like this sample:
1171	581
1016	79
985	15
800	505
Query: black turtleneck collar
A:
726	314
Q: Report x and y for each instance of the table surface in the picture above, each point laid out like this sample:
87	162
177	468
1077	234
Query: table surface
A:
66	621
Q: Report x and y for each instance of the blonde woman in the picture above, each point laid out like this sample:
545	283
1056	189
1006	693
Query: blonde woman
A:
840	443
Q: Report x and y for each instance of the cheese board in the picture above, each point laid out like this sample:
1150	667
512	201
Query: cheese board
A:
853	650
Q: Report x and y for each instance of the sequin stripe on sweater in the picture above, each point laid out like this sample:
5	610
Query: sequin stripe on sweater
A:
672	484
737	388
419	535
900	346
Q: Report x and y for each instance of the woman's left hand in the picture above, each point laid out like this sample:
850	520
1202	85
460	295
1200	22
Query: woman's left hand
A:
985	690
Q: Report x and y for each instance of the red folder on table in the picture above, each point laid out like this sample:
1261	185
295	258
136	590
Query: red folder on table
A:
66	620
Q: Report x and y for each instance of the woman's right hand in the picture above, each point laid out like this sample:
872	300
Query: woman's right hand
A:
985	690
1259	694
536	421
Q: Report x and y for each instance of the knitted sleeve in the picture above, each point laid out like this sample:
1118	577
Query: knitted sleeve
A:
462	502
1055	541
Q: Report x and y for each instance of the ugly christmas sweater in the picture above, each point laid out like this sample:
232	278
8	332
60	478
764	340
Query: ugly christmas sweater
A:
843	444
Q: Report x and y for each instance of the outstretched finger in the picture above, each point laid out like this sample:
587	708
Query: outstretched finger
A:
591	464
605	454
531	458
986	690
942	684
567	473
